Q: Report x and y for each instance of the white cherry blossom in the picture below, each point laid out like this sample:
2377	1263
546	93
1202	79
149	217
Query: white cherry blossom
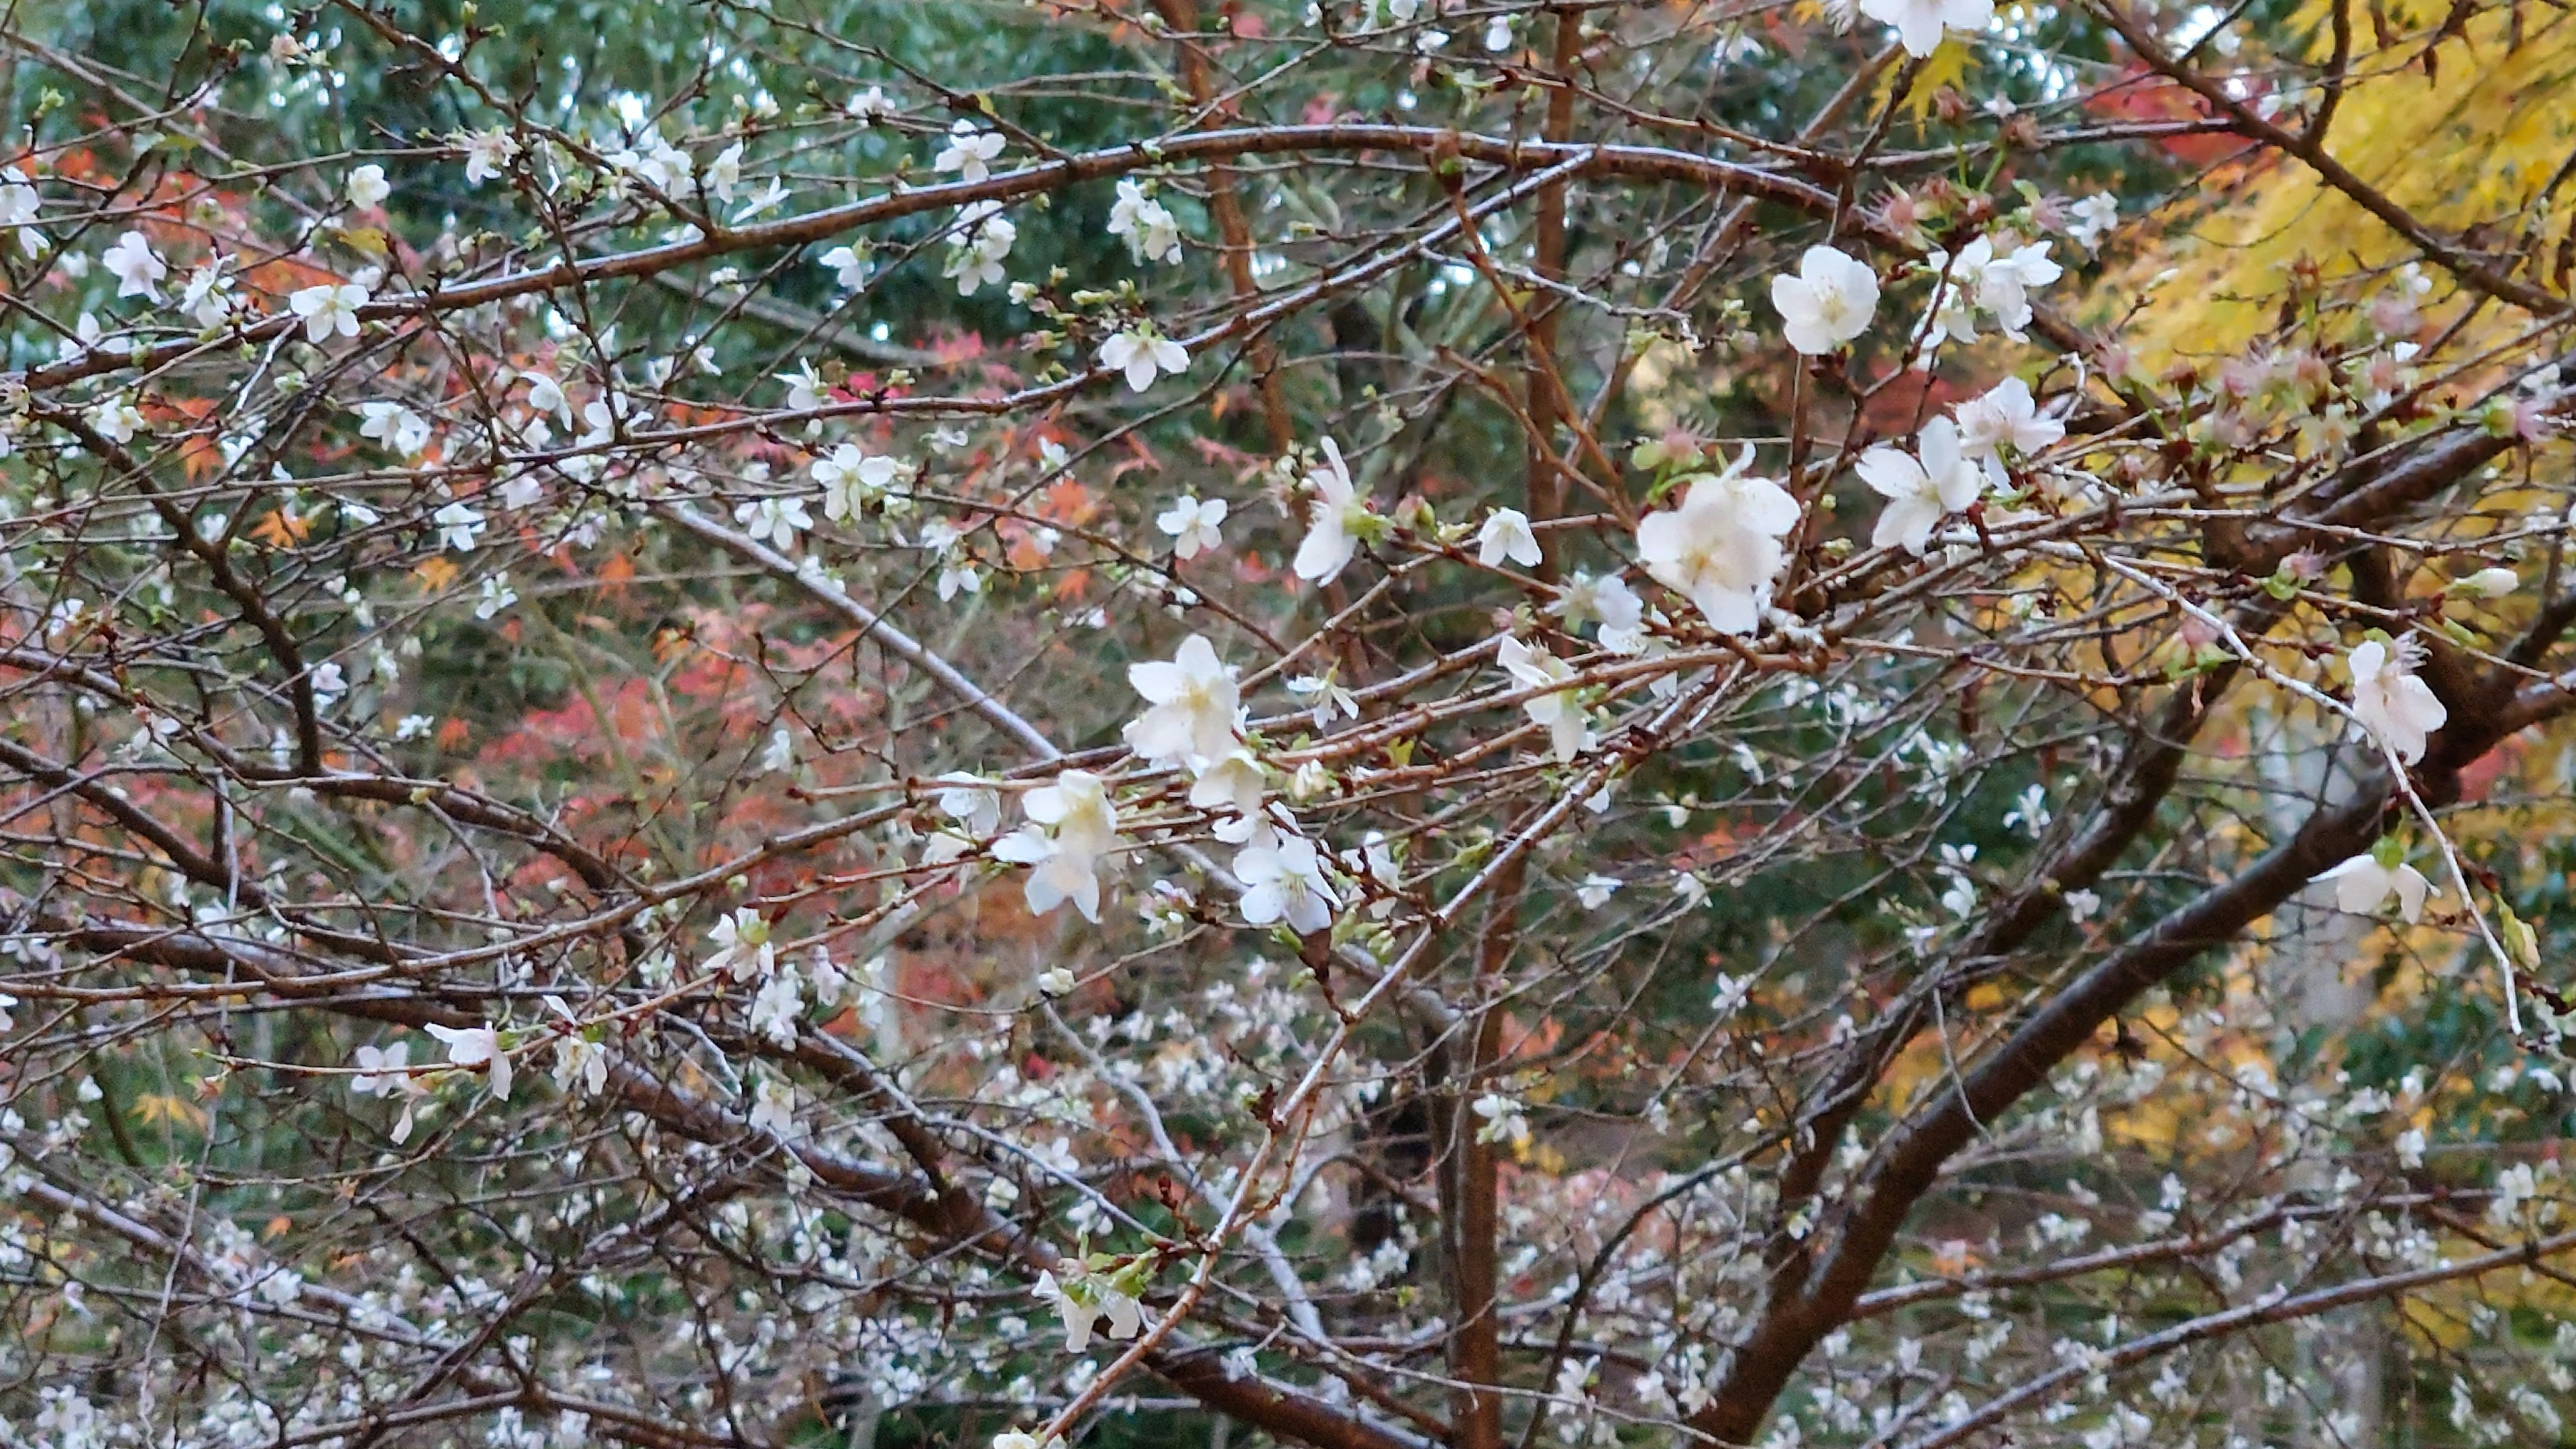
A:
1193	525
367	187
852	479
978	247
20	205
2364	883
1722	547
1151	232
1920	23
1336	521
1920	490
971	801
1073	827
488	154
743	948
1285	882
459	526
477	1046
776	518
970	151
1140	352
1195	705
849	266
2092	218
1082	1298
394	425
329	309
1561	714
1829	302
2389	701
137	268
1507	535
2004	418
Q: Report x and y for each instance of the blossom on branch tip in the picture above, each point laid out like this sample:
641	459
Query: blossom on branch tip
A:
852	479
488	154
2005	416
1150	230
1083	1298
367	187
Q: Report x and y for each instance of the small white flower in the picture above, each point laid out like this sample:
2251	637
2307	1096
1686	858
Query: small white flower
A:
394	425
488	154
2081	904
1336	521
1829	302
869	106
2092	219
970	151
20	204
2364	883
459	526
138	271
1507	535
1151	231
1920	491
1329	696
1722	547
851	480
1193	525
1285	882
1140	352
972	802
2389	701
1195	706
328	309
116	418
2005	417
1073	827
1920	23
1561	714
497	596
743	948
1596	890
724	173
477	1046
1082	1298
849	268
979	246
774	518
367	187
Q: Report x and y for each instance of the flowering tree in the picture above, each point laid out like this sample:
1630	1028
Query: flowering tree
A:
1377	724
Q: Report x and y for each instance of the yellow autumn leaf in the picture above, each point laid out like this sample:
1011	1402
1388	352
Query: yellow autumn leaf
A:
158	1107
